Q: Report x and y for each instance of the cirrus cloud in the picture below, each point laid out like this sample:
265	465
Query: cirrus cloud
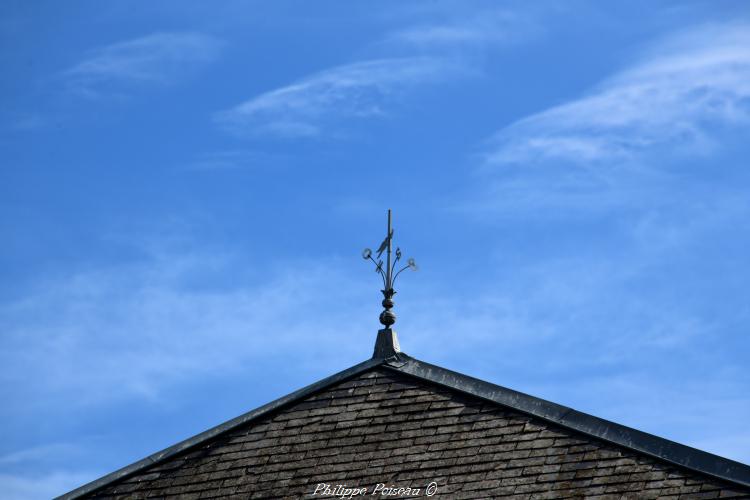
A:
688	84
319	102
155	59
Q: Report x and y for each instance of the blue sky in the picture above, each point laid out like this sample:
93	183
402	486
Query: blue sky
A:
186	189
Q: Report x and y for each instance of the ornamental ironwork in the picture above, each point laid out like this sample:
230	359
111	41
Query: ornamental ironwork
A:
388	272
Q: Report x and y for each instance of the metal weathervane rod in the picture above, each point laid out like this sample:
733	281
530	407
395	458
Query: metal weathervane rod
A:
389	274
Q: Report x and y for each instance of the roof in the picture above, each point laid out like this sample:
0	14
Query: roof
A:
389	358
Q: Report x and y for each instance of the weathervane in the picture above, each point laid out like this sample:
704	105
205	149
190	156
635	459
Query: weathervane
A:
389	274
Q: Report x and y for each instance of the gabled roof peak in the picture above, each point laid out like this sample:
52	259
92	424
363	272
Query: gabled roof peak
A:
388	356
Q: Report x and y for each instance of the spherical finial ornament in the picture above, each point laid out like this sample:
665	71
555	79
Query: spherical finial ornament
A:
387	318
366	253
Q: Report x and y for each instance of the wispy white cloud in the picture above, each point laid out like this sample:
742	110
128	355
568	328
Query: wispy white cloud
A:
431	49
618	148
317	104
686	85
154	59
457	29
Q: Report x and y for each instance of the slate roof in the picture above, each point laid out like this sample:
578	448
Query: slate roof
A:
397	420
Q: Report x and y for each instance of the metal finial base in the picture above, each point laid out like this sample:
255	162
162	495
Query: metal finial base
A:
386	344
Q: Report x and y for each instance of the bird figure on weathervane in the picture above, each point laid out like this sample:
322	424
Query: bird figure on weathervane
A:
389	274
385	244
